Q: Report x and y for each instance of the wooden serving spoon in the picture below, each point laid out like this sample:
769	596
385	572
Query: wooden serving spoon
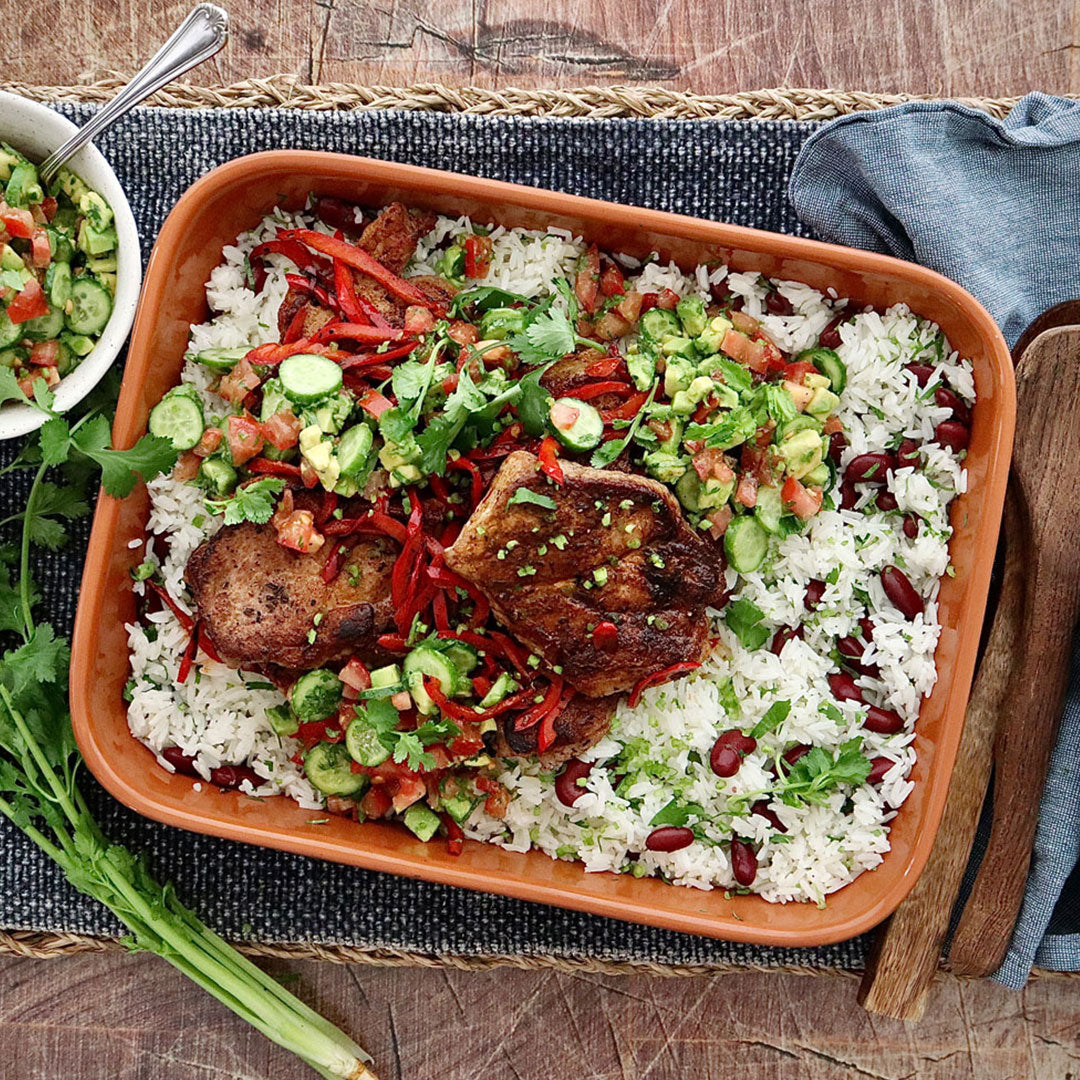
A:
1046	474
907	949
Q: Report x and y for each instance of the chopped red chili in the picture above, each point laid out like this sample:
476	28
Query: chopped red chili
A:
549	465
658	677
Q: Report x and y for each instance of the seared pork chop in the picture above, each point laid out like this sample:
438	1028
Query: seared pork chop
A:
261	602
615	550
583	723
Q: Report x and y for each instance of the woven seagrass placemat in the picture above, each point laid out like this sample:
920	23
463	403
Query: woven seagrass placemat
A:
725	157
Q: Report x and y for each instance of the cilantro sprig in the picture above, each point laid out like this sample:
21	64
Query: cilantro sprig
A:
817	774
253	502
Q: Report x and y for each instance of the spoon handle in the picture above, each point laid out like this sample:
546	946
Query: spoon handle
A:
199	36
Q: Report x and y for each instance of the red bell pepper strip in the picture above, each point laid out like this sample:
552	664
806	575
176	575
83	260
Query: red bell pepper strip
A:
373	522
334	562
548	455
628	410
605	636
304	284
455	837
188	658
590	391
266	467
438	607
457	711
205	643
476	489
270	354
185	620
447	579
605	366
295	330
292	250
362	261
375	404
537	713
393	643
546	735
356	331
658	677
346	294
362	360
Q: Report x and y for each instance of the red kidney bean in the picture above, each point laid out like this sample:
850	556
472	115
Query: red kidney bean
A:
948	399
843	687
181	762
911	526
837	445
830	336
922	372
907	455
761	809
783	636
232	776
775	304
743	862
566	783
866	625
901	592
724	760
883	721
953	435
869	468
848	495
850	648
669	838
742	744
338	214
886	501
796	752
814	592
878	768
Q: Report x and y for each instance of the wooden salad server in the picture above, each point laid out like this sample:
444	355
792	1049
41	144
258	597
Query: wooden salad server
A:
907	950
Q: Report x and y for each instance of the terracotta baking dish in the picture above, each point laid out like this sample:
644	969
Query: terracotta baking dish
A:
233	198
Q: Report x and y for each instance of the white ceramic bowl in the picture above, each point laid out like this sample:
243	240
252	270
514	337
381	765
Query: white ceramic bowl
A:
36	130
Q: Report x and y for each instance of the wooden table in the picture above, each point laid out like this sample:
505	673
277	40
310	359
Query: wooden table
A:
114	1016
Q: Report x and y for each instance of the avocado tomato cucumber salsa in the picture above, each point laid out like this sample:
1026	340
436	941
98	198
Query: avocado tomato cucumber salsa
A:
57	270
526	542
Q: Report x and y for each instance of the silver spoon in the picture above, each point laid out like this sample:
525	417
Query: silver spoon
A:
199	36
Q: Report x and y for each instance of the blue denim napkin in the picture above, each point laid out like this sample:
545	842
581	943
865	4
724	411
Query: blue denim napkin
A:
994	205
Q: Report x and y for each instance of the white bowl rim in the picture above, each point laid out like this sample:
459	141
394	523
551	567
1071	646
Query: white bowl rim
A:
91	165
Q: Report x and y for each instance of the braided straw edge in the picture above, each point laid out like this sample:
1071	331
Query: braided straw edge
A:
286	92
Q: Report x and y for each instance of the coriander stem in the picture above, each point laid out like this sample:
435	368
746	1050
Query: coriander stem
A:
24	555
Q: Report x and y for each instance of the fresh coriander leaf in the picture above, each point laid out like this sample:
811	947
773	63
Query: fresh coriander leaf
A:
485	297
828	709
148	458
409	749
776	715
729	700
779	403
676	813
9	387
730	430
524	495
466	399
43	658
55	438
254	502
608	451
43	396
434	442
818	773
743	618
66	501
409	380
547	336
10	601
47	533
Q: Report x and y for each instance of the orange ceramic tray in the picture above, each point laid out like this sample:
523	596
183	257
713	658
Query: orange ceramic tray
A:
232	199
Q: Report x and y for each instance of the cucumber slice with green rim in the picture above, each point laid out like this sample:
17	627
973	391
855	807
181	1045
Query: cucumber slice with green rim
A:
354	450
91	306
421	821
329	767
364	744
576	424
802	422
178	418
424	660
769	508
9	332
44	327
220	477
829	364
221	361
316	695
463	656
307	378
745	544
58	283
282	720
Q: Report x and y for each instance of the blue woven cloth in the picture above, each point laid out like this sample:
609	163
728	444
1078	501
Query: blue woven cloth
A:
994	205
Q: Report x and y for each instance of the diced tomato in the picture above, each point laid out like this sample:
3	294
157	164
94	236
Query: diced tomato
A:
711	464
630	306
564	416
611	325
549	462
210	441
375	404
187	466
39	249
308	476
49	374
605	636
49	206
355	674
744	323
478	256
803	502
800	394
719	520
755	462
245	438
667	299
751	353
587	283
746	491
832	425
798	371
375	803
19	223
284	509
612	282
45	353
298	533
418	320
282	429
28	303
464	333
649	300
238	383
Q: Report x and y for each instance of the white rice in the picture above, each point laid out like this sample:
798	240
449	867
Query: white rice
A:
663	744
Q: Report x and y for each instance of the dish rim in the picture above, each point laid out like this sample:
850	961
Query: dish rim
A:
371	845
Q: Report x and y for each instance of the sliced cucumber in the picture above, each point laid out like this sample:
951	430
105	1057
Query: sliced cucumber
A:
307	378
222	361
178	418
501	688
9	332
364	744
745	544
316	695
424	660
422	821
354	451
802	422
44	327
586	429
219	476
769	508
329	768
58	283
91	306
829	364
463	656
282	720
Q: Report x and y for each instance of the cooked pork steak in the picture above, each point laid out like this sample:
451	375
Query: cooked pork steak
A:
259	601
616	549
583	723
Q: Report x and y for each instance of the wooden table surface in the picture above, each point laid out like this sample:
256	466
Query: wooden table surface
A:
115	1017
